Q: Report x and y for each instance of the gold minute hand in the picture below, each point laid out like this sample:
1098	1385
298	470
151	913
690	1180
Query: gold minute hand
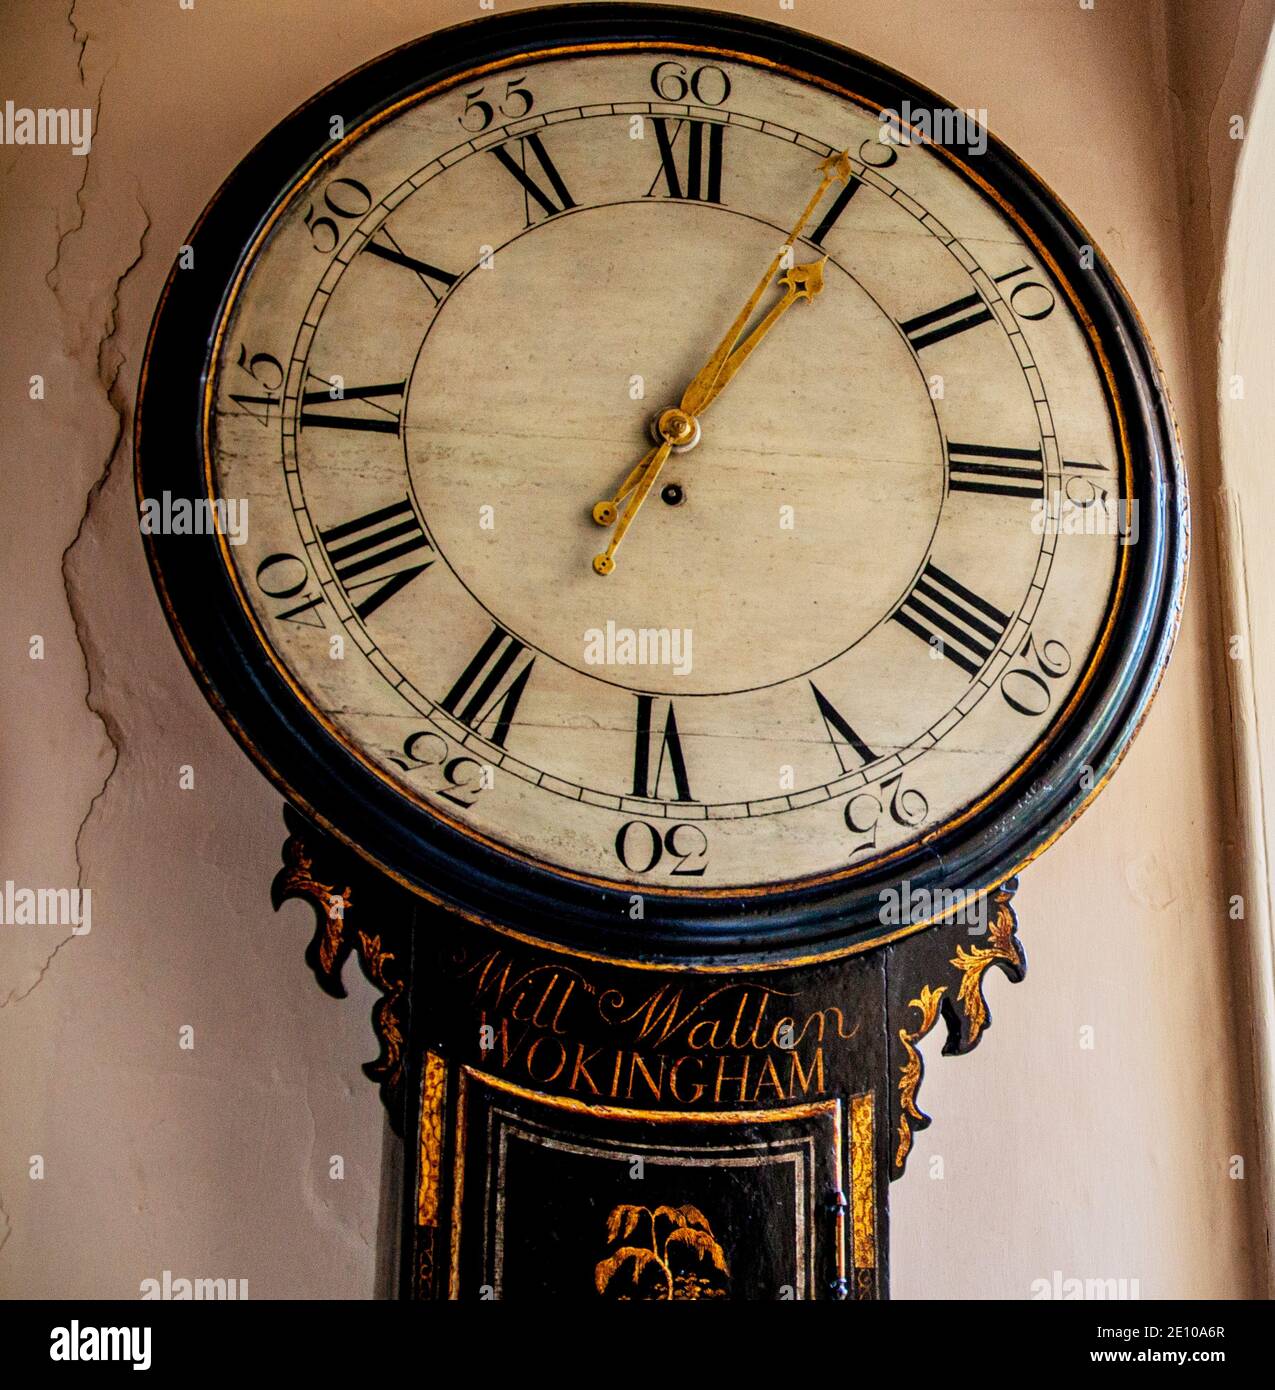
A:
801	282
835	167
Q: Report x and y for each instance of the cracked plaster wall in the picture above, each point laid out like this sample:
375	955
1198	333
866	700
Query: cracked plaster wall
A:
1110	1162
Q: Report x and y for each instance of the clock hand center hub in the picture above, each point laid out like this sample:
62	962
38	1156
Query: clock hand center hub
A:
677	427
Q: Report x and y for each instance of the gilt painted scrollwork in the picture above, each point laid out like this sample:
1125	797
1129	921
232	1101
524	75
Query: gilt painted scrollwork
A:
910	1078
1005	951
336	935
954	992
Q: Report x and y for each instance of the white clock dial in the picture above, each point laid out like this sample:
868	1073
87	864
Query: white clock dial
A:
835	625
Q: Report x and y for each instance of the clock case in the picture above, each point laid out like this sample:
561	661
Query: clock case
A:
337	792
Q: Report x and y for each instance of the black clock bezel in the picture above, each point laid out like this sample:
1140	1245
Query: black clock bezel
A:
338	791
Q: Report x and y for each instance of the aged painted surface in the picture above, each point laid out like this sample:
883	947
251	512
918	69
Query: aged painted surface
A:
182	931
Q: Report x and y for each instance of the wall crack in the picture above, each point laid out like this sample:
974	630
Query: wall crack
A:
110	365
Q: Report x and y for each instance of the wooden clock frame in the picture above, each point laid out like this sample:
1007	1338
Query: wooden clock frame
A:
416	900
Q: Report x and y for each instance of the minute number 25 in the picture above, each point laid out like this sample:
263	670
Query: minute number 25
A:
864	812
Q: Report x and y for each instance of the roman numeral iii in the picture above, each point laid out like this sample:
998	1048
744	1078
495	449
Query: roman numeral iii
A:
941	611
972	468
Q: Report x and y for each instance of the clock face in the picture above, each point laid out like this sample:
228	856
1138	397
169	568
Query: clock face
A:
487	522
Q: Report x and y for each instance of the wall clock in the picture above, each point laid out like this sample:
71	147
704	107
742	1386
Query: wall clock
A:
666	760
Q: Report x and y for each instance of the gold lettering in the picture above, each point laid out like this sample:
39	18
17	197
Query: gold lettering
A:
733	1040
796	1074
698	1063
581	1068
562	1004
507	1054
741	1079
636	1063
531	1057
768	1077
656	1013
544	1000
821	1016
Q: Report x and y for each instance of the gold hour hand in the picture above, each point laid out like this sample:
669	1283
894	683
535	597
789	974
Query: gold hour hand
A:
836	168
801	282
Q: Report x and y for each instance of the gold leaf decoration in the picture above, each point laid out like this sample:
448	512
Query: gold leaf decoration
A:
973	964
334	939
910	1077
296	880
687	1235
863	1194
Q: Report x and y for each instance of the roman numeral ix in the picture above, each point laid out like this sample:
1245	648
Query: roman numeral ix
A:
382	418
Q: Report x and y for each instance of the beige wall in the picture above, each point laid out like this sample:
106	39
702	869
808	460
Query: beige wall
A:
1111	1162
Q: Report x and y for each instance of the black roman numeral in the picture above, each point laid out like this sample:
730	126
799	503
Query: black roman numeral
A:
371	542
837	725
966	627
382	418
970	470
429	275
946	322
703	177
530	188
490	687
667	743
852	186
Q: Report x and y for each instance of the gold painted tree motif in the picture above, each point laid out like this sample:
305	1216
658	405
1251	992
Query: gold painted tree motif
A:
671	1266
